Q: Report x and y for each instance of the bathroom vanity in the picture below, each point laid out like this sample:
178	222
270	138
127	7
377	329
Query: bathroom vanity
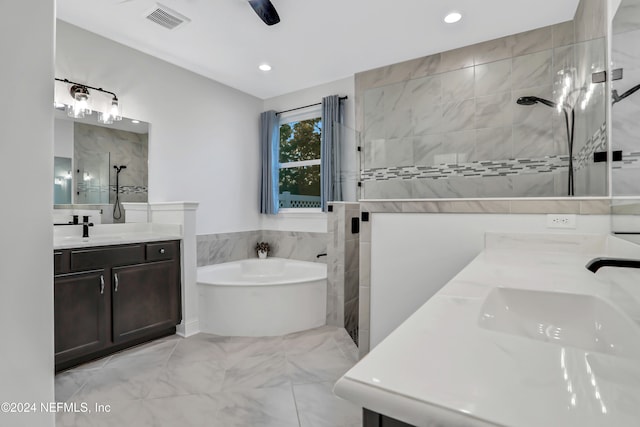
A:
108	296
525	335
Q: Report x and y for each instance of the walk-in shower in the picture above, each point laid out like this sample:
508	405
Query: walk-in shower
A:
570	124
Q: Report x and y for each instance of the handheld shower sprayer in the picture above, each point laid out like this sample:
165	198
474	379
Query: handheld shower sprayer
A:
566	109
117	208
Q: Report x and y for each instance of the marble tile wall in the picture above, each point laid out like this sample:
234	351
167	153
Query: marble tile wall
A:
625	124
226	247
459	106
343	268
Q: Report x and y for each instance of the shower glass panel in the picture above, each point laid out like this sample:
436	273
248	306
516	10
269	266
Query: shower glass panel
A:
497	129
92	179
348	141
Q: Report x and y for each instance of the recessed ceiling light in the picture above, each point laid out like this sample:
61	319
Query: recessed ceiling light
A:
265	67
135	121
452	18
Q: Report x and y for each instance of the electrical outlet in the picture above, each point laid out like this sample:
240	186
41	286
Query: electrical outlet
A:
561	221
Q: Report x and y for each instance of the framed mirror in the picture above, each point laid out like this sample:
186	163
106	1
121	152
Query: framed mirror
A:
99	166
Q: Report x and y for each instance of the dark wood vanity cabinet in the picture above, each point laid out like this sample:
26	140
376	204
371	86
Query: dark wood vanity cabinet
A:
144	300
80	314
112	297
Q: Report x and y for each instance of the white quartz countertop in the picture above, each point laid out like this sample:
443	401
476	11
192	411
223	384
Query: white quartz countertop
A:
70	236
440	367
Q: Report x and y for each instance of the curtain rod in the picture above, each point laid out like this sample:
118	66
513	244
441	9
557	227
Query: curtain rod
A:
342	98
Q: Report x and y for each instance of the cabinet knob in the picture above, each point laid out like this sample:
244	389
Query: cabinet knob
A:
162	250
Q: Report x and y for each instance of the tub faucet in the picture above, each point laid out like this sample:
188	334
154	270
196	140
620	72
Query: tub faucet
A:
85	226
319	255
597	263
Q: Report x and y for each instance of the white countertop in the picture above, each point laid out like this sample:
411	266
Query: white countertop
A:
441	366
70	236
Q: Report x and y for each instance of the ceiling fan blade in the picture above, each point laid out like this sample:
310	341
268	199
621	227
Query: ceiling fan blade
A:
265	11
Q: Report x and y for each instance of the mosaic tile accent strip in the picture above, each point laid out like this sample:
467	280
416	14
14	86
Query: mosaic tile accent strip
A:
629	161
477	169
131	189
598	142
492	168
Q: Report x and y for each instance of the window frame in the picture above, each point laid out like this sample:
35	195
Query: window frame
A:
308	113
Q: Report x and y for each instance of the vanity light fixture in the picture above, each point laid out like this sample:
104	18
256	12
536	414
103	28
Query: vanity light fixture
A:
265	67
453	17
81	103
80	106
113	114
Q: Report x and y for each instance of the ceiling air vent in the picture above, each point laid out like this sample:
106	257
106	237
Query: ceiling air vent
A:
166	17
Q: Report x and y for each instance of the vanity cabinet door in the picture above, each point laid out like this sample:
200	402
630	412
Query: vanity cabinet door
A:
145	299
80	314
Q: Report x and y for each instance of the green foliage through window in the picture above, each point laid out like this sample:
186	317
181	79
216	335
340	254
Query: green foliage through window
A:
300	142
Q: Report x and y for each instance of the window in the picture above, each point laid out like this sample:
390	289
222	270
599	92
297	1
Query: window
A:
299	171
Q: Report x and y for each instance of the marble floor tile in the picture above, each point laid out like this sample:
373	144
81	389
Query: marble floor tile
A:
69	382
117	384
267	407
208	380
319	366
243	347
180	411
346	345
200	347
122	413
319	407
180	378
319	339
256	372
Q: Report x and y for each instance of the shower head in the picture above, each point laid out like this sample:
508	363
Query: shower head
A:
531	100
119	168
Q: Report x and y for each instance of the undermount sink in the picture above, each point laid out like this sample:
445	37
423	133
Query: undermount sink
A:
575	320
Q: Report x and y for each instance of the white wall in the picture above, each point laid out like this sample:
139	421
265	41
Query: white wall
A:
203	138
63	138
26	255
414	255
343	87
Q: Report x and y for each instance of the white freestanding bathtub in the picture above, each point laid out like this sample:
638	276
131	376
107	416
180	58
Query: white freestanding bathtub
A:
262	297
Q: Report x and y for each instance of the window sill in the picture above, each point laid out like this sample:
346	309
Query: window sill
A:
301	213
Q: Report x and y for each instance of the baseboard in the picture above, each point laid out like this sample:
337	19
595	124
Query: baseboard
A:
188	329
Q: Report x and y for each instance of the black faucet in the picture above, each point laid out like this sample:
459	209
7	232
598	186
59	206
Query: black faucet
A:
85	226
597	263
319	255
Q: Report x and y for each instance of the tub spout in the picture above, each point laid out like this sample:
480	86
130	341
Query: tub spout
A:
319	255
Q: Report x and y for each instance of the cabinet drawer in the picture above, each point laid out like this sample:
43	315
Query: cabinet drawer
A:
58	263
83	259
160	251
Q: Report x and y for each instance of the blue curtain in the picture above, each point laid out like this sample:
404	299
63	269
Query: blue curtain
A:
269	147
330	186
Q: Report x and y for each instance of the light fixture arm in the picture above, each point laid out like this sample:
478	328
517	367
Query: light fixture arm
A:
88	87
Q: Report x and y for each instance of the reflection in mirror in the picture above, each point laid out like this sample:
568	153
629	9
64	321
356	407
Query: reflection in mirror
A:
87	156
625	109
62	180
